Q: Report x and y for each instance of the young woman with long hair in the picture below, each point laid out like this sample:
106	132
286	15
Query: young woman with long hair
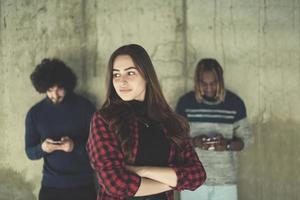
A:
138	146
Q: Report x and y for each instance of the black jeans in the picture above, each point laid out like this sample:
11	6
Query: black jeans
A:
77	193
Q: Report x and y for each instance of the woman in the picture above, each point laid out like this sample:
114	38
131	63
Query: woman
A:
138	146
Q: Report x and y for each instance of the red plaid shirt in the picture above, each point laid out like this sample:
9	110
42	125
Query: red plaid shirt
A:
117	183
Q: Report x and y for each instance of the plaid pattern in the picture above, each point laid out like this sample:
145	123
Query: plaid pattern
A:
116	183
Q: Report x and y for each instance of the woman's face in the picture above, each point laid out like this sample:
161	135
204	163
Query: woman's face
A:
127	80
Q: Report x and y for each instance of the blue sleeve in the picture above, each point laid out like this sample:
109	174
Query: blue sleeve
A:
32	139
242	113
241	126
79	146
90	112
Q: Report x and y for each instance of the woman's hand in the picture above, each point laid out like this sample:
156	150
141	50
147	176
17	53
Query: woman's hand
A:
164	175
136	169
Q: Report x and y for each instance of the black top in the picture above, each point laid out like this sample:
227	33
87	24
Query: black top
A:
153	146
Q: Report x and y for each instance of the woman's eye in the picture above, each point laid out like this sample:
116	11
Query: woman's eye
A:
131	73
116	75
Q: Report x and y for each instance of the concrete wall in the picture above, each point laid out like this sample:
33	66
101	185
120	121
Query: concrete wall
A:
257	42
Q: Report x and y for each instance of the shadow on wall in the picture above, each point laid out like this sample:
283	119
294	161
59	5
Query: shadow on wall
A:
271	168
13	186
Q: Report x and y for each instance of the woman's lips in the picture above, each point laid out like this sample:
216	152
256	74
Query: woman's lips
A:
125	90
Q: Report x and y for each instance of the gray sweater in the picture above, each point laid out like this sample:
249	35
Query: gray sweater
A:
228	118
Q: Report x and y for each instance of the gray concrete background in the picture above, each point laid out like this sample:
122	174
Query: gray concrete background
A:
257	42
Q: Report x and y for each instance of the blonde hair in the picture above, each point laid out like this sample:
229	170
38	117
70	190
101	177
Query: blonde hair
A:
209	65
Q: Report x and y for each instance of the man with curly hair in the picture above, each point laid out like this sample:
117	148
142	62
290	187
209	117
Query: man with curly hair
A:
57	129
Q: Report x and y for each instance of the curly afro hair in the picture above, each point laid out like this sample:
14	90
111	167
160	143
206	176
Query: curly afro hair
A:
51	72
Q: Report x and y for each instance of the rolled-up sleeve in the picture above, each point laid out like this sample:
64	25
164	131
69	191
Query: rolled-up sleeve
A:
107	159
190	171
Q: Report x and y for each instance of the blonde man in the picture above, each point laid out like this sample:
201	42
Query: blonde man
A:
219	130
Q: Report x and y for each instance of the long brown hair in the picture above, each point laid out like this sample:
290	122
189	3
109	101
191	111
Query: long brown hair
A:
116	111
209	65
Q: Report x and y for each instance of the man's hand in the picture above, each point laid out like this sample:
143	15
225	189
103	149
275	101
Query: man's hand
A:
50	145
67	144
221	143
199	141
213	143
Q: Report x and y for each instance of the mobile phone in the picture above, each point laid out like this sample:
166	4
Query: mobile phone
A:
211	142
